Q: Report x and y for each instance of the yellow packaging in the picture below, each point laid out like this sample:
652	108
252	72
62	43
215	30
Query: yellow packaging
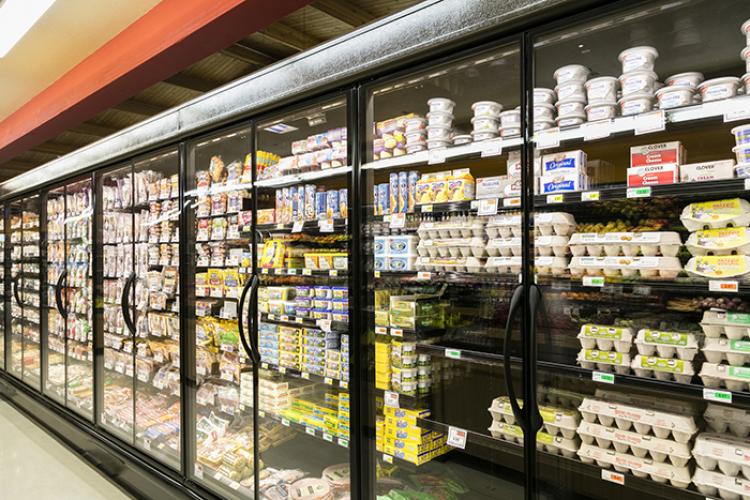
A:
272	255
461	185
424	194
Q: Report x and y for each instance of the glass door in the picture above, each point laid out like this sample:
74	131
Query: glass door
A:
3	287
442	254
54	374
640	122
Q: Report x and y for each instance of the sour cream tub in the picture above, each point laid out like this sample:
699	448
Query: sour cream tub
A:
570	107
674	96
440	119
483	136
540	125
636	82
461	139
719	88
745	54
542	95
638	58
569	121
571	73
413	125
741	134
602	89
745	28
438	133
743	153
571	90
510	132
489	109
742	170
484	124
600	110
543	111
636	104
691	79
441	104
510	118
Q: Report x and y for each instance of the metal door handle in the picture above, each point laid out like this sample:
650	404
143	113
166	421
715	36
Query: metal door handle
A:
252	319
125	303
58	295
241	306
515	302
15	290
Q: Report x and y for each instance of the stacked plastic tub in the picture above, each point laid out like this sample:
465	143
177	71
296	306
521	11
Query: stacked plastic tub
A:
486	120
440	123
455	244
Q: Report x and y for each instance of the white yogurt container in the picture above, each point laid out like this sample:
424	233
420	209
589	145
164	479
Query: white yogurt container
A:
546	96
741	134
510	132
734	352
674	96
603	89
637	82
571	90
691	79
600	110
570	107
636	104
489	109
745	54
413	125
663	368
570	120
438	133
540	125
571	73
441	104
734	378
544	111
667	344
460	140
742	152
484	124
742	170
719	88
483	136
415	148
510	118
638	59
730	454
439	119
734	326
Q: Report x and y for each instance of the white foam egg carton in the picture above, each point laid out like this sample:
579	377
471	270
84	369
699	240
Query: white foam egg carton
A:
562	398
662	424
556	266
606	361
734	378
451	229
504	247
557	445
716	214
639	467
667	344
605	337
557	223
729	453
551	245
726	241
719	267
722	418
663	368
450	264
715	483
504	226
649	244
557	421
503	265
658	449
645	267
734	326
734	352
661	402
452	247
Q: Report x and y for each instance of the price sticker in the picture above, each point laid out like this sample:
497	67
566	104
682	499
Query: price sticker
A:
344	384
512	202
487	207
279	271
457	437
306	272
549	138
279	226
285	422
376	274
593	281
299	320
261	413
398	220
381	330
198	471
453	353
424	275
326	226
717	395
426	209
305	375
605	378
747	184
284	317
493	147
333	272
264	365
647	123
264	271
391	399
310	431
327	437
291	272
387	458
723	286
613	477
147	444
739	110
435	156
344	443
328	381
596	130
638	192
590	196
397	332
297	226
555	198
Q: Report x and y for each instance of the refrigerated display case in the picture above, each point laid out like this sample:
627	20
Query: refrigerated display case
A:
3	287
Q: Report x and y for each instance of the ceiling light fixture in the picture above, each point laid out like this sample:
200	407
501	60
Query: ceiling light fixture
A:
16	19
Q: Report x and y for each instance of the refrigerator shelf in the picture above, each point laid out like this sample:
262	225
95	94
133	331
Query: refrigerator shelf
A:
310	226
330	273
288	180
310	431
218	189
335	326
511	204
408	333
218	481
407	401
343	384
645	287
429	277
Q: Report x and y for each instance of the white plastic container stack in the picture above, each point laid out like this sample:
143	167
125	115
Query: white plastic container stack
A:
638	80
741	135
570	91
486	121
415	132
665	355
440	122
605	348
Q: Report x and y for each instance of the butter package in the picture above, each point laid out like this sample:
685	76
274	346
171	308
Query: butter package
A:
657	154
440	189
490	187
707	171
401	263
653	175
562	182
564	162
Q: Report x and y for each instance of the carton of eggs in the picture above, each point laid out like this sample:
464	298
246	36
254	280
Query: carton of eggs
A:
449	264
605	361
717	214
715	483
606	338
667	344
630	244
504	226
557	445
452	247
557	223
731	455
734	326
722	418
451	228
557	421
726	241
663	368
645	267
556	266
734	378
719	266
640	467
505	247
503	265
551	245
734	352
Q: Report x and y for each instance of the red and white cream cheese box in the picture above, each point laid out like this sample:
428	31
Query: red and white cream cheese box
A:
657	154
652	175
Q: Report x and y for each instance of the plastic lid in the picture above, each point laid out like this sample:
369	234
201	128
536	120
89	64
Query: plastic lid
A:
486	103
569	100
483	118
544	105
599	103
578	67
719	81
543	90
674	88
600	79
643	48
576	116
687	74
744	52
511	112
440	99
645	72
633	97
745	26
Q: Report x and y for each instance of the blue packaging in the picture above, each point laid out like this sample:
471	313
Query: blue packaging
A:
344	203
332	204
294	196
384	199
393	192
411	187
375	203
309	202
380	263
321	205
381	245
403	191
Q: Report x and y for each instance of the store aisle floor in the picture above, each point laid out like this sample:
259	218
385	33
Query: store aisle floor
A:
34	465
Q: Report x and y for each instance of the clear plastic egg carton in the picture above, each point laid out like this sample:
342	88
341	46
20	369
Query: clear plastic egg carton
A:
734	326
644	267
629	244
717	214
503	265
663	368
557	223
557	445
504	247
606	338
557	421
552	396
715	483
551	245
734	352
727	241
734	378
722	419
555	266
661	450
729	454
450	264
720	267
659	472
504	226
667	344
451	228
452	247
605	361
645	421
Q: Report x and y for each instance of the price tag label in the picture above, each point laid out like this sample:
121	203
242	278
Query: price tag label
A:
261	413
306	272
724	286
387	458
305	375
740	110
147	444
291	272
391	399
344	443
310	431
285	422
596	130
453	353
642	290
647	123
747	184
299	320
398	220
279	226
333	272
326	226
424	275
613	477
426	209
264	271
555	198
593	281
549	138
435	156
487	207
282	369
397	332
284	317
234	485
198	471
638	192
328	381
493	147
325	325
512	202
327	437
590	196
264	365
344	384
376	274
457	437
717	395
381	330
279	271
297	226
606	378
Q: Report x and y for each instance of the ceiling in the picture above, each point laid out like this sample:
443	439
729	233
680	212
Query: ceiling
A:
307	27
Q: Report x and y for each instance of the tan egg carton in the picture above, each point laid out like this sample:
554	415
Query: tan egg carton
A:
734	326
667	344
450	264
734	378
630	244
557	445
503	265
720	267
606	337
451	228
645	421
726	241
554	223
606	361
661	402
555	266
658	449
730	454
715	483
677	370
639	467
504	247
504	226
452	247
551	245
552	396
716	214
722	418
557	421
644	267
734	352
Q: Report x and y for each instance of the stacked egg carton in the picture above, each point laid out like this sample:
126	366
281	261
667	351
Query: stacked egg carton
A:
503	232
727	350
605	348
648	440
665	355
551	244
486	120
453	244
557	437
723	458
571	95
638	80
440	122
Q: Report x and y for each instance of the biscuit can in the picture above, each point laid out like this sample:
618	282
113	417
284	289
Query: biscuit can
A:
344	203
309	202
294	196
332	208
393	192
375	202
278	213
384	199
320	205
403	194
286	214
411	188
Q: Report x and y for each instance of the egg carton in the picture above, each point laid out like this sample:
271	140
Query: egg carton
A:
557	223
557	445
551	245
663	368
645	267
503	265
556	266
639	467
552	396
452	247
662	424
661	402
605	337
450	229
717	214
734	352
557	421
504	247
734	326
667	344
727	241
729	453
450	264
721	419
734	378
715	483
504	226
720	267
658	449
606	361
630	244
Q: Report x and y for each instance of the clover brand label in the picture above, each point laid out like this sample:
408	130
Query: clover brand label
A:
719	210
668	338
662	364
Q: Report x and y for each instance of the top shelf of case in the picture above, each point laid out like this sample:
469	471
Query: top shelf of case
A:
288	180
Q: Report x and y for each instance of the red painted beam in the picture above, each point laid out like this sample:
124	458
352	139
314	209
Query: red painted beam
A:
168	38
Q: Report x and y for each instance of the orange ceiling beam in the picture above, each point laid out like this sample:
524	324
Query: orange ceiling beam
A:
168	38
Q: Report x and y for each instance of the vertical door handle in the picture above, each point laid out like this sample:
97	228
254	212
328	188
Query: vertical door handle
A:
15	290
125	303
535	299
253	320
515	302
240	307
58	295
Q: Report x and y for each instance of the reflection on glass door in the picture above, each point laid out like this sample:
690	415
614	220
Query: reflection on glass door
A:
54	380
3	288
